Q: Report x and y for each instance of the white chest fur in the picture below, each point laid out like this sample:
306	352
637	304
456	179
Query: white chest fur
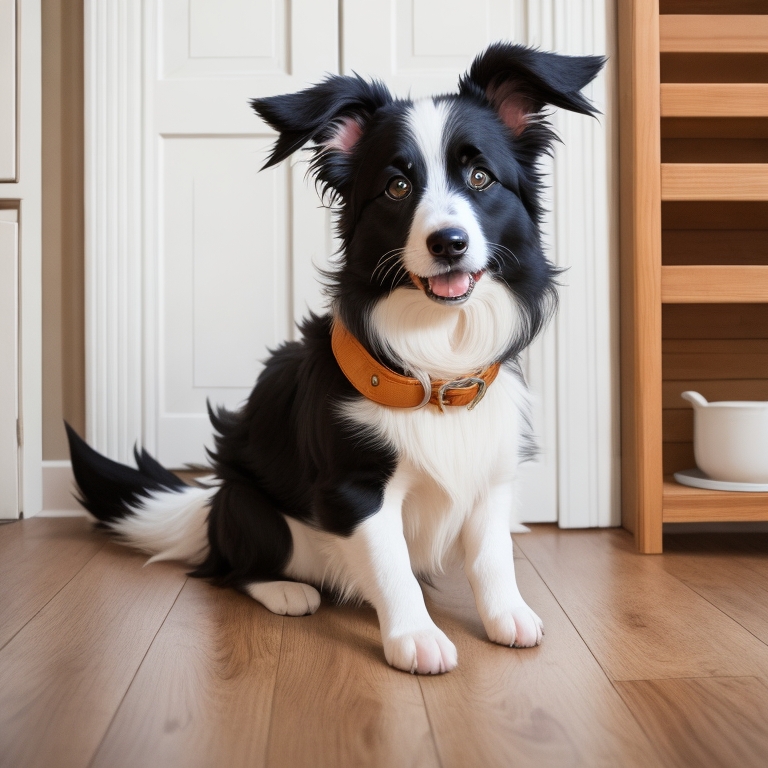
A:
448	461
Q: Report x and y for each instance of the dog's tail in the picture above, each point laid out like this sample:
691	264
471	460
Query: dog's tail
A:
148	508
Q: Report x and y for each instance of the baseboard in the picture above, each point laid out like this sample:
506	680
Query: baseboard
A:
58	491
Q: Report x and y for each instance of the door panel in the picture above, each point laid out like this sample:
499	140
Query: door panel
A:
228	285
420	47
225	274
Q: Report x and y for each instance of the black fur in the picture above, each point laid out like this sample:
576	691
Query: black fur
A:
287	452
107	487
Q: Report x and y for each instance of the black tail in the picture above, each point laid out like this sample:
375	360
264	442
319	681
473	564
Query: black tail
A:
107	488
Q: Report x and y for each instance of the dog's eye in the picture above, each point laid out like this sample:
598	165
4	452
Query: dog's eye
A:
480	179
399	188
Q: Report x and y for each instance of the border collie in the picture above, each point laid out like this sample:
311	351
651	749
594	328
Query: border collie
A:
384	443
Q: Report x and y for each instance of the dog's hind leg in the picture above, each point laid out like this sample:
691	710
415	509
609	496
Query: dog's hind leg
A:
287	598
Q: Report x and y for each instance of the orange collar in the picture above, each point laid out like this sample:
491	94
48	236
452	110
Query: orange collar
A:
386	387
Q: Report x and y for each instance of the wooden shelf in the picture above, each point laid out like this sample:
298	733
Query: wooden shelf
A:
731	284
682	504
713	34
692	316
714	181
714	100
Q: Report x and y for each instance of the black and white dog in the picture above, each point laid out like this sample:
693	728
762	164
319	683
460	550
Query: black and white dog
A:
386	441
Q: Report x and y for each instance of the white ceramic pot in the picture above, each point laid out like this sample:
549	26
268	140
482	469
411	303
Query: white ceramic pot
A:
730	439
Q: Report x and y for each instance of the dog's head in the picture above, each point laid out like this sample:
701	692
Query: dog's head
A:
438	194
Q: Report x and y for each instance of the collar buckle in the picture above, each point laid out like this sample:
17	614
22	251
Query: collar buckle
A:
466	383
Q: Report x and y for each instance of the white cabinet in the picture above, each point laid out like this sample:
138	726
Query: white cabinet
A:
9	364
21	486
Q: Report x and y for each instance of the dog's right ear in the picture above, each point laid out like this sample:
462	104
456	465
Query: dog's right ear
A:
331	114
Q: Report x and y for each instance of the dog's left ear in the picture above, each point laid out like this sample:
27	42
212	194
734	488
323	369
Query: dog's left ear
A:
520	81
331	114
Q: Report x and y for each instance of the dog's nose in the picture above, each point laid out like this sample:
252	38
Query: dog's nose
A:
449	243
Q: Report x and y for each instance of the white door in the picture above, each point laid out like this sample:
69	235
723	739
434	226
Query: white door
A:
229	254
420	49
227	286
9	370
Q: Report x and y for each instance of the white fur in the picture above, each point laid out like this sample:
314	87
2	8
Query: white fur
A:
374	562
445	341
490	569
169	525
440	205
451	460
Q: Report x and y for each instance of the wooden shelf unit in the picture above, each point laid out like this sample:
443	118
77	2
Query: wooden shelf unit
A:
694	243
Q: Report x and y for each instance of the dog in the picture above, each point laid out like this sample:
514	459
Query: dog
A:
385	442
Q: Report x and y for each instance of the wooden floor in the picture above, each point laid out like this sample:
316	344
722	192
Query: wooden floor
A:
647	661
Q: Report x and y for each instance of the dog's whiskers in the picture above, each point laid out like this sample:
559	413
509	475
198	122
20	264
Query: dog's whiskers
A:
397	278
397	267
386	263
498	250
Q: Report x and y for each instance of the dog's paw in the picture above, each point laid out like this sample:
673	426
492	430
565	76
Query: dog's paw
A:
287	598
519	627
426	652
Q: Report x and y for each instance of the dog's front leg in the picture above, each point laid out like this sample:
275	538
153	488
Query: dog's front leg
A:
490	569
378	566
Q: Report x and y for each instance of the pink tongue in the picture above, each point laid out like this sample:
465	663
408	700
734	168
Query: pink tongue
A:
450	285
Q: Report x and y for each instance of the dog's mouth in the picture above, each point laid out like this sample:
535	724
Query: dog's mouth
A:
453	287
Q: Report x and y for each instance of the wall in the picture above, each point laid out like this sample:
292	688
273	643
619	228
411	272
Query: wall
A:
63	224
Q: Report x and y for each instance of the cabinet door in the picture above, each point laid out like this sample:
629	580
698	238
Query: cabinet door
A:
234	248
9	370
419	49
7	90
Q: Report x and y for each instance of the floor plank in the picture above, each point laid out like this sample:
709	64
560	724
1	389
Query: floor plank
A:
545	706
120	665
64	674
728	571
203	694
338	704
37	558
708	723
640	622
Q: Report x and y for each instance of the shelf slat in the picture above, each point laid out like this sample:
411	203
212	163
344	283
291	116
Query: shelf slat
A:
714	100
713	34
714	181
731	284
694	505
